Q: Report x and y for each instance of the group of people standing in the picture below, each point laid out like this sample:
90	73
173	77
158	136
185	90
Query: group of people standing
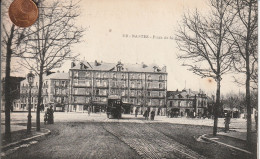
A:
48	116
146	114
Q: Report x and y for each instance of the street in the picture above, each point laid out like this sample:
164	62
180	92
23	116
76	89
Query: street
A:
95	136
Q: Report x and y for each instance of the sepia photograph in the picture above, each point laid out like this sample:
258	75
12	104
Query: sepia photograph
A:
129	79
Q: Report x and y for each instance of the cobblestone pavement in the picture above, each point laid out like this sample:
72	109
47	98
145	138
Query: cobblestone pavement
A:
150	143
78	135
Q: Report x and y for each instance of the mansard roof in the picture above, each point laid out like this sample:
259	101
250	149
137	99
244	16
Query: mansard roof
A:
58	75
103	66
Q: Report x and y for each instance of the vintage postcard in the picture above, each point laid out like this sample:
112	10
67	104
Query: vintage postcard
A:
117	79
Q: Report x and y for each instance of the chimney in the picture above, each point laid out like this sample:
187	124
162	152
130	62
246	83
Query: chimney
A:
58	71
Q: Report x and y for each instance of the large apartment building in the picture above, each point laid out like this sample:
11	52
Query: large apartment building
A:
90	84
54	91
138	84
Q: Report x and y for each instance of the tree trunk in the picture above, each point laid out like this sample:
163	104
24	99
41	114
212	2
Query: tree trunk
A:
38	126
216	108
8	102
248	102
247	59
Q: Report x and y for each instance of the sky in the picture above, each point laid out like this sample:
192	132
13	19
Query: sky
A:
107	22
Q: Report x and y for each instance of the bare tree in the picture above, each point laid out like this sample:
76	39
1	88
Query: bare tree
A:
11	40
204	45
244	35
54	33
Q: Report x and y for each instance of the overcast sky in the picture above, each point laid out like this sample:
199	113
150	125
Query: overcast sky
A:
106	21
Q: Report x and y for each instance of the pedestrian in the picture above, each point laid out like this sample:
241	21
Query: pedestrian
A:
46	116
158	112
50	115
136	112
89	110
146	115
152	115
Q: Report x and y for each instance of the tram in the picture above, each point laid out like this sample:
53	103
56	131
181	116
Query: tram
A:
114	107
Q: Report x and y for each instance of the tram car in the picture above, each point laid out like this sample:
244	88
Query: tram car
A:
114	107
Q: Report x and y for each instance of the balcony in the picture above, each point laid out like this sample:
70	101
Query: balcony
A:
156	89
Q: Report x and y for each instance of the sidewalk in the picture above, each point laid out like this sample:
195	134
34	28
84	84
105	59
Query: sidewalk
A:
234	140
20	138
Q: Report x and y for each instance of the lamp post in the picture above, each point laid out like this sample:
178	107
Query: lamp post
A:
30	78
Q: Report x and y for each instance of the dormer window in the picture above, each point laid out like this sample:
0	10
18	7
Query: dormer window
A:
82	66
119	66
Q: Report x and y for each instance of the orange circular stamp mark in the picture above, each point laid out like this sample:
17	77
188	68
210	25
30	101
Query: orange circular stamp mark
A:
23	13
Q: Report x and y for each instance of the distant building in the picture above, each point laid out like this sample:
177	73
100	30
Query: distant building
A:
54	91
186	103
138	84
15	93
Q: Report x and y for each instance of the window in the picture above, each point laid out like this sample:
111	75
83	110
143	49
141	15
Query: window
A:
113	84
75	74
82	73
123	76
132	76
104	75
88	83
56	90
75	91
160	85
81	82
150	102
139	85
98	83
160	102
114	75
63	83
160	78
97	92
170	103
160	94
87	74
75	81
132	85
149	78
97	74
139	76
149	94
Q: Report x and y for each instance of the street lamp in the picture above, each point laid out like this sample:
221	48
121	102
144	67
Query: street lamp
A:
30	78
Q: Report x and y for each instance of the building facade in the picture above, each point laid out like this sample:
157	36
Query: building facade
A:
138	84
186	103
54	91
